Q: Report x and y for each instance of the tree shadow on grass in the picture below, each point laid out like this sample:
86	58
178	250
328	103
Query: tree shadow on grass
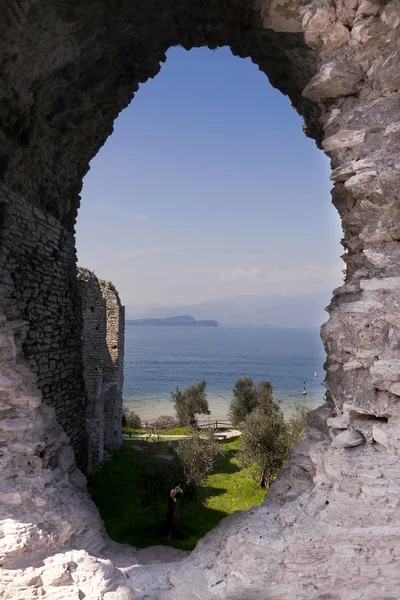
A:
133	505
224	463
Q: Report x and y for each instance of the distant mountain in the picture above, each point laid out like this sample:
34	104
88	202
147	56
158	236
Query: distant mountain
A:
182	320
296	310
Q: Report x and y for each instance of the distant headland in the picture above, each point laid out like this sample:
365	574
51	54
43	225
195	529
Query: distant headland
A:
182	320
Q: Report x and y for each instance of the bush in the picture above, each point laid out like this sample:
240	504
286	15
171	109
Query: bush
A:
264	444
247	397
167	422
190	402
130	419
296	424
197	455
244	400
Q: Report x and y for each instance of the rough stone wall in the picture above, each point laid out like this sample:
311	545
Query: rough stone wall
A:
94	355
103	361
329	527
113	365
37	263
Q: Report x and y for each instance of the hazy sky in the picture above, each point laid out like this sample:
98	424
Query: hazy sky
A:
208	188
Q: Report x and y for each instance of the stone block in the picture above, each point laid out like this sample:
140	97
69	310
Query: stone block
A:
337	422
348	439
346	138
334	80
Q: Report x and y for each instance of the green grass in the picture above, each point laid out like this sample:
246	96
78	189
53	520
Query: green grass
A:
173	431
130	518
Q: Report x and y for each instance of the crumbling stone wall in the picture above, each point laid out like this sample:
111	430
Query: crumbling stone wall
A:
37	263
329	528
103	361
113	365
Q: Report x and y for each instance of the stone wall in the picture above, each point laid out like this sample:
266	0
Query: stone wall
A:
37	264
113	365
329	527
103	361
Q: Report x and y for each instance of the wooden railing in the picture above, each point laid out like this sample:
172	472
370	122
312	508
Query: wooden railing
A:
154	427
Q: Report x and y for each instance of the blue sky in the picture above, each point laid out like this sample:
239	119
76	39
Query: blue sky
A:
209	188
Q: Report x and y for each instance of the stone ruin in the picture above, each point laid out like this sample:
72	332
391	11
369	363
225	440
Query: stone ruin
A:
103	365
329	528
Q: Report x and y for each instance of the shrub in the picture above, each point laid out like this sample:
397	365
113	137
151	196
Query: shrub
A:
130	419
190	402
296	424
167	422
197	455
244	400
264	444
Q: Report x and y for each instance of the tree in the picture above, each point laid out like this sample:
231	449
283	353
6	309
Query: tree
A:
130	418
173	520
264	443
167	422
265	398
189	403
244	400
197	455
247	397
296	424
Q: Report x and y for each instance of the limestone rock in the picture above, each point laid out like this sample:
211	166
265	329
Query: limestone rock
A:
283	16
334	79
391	14
348	439
66	458
346	138
322	29
368	7
337	422
380	435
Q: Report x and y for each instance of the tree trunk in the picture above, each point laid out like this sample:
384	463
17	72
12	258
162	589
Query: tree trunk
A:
263	481
173	520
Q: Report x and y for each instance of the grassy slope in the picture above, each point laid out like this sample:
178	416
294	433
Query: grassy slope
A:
128	520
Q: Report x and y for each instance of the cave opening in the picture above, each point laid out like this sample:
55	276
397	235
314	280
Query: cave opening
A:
200	207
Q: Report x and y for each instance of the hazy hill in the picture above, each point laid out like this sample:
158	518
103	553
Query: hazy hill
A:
179	321
297	310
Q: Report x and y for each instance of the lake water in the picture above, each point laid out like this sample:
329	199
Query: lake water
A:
157	359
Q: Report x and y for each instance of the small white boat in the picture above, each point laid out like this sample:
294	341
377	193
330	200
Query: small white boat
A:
315	374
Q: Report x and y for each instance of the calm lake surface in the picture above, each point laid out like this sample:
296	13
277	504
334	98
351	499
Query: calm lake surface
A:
157	359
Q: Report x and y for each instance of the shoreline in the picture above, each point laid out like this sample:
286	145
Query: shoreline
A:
151	408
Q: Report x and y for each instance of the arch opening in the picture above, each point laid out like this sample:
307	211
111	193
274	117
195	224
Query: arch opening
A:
67	71
156	215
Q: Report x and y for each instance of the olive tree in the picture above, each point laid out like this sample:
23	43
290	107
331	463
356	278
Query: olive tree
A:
247	397
264	443
197	455
244	400
190	402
